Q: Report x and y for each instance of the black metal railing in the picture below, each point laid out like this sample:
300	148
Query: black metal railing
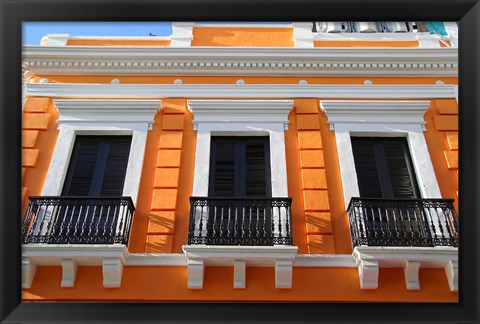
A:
78	220
403	222
240	221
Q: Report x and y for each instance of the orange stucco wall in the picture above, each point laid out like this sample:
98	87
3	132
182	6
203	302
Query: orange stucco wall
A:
238	36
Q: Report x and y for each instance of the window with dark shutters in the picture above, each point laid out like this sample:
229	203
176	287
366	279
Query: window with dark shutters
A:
240	167
98	166
384	168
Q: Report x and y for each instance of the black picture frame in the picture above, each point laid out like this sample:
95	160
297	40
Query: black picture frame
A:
14	12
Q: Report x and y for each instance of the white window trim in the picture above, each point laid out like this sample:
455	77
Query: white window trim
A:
380	119
101	117
241	118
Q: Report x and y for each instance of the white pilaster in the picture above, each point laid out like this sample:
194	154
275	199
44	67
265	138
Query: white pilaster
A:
303	34
182	34
55	40
196	269
69	272
410	270
112	272
452	30
239	267
283	273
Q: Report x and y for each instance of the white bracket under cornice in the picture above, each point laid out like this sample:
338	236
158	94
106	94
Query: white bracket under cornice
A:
259	61
182	34
279	257
111	257
411	259
303	35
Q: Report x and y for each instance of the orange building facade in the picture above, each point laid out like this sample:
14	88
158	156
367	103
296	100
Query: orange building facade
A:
290	162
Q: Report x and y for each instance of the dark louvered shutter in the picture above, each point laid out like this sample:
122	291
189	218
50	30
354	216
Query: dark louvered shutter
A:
98	166
240	167
384	168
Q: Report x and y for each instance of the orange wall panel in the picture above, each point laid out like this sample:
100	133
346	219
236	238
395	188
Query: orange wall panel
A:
309	140
171	139
161	222
159	244
29	138
169	158
446	123
447	107
308	122
452	159
173	122
112	42
318	223
321	244
35	121
314	179
316	200
30	157
166	178
452	139
238	36
312	159
36	105
164	199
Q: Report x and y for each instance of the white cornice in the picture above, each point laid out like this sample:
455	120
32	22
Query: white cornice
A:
148	60
374	112
113	111
398	37
252	91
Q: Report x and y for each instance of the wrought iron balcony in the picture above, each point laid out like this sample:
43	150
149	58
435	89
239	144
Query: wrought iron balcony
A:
78	220
240	221
403	222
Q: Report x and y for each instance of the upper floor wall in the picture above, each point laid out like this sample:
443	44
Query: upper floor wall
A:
300	35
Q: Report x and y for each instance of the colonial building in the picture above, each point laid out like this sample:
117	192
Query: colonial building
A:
257	162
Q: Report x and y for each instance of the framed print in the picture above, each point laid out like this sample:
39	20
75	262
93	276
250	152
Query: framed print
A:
240	161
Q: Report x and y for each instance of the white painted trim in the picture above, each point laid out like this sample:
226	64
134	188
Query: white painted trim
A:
243	25
69	272
241	118
182	34
380	118
399	37
121	38
156	259
325	260
303	35
239	273
101	117
55	40
233	91
145	60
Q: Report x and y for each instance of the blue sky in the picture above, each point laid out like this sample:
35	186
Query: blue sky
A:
32	32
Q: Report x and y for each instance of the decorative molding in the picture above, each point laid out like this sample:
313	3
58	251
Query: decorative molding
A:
107	111
117	60
279	257
381	119
69	272
121	38
381	37
241	118
251	91
240	25
374	111
370	259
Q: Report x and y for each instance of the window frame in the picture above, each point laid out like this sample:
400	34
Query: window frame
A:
101	118
381	118
241	118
